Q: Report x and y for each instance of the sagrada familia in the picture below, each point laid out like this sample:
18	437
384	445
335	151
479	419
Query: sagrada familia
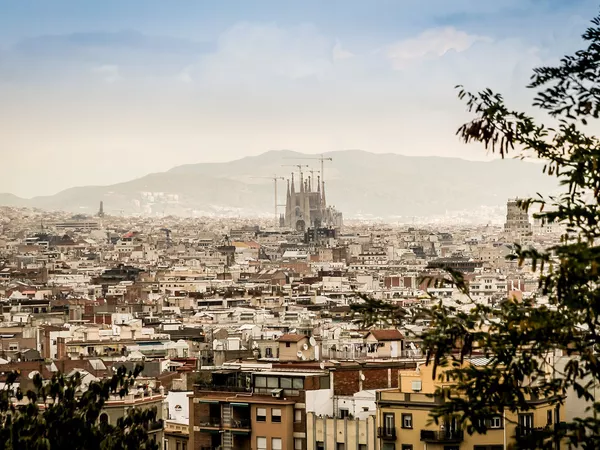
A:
307	208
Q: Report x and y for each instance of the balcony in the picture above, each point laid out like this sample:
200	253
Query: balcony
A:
533	437
442	436
156	425
386	433
240	424
210	422
219	388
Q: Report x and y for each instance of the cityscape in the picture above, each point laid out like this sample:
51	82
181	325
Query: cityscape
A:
260	225
245	327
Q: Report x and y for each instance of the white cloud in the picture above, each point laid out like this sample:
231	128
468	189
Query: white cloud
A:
108	72
430	44
185	76
251	53
339	52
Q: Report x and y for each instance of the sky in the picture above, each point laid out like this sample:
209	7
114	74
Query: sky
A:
100	92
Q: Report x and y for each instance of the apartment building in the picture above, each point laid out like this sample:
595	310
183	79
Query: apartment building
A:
257	409
404	422
341	434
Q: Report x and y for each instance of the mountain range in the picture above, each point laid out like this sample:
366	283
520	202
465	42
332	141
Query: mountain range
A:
359	183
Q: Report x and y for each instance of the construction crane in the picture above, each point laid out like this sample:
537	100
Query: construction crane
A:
299	166
320	158
275	178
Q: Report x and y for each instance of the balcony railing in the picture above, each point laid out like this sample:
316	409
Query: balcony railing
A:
156	425
214	387
213	422
386	433
442	436
216	422
240	423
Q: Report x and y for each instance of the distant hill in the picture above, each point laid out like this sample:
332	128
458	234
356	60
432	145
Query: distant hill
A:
358	183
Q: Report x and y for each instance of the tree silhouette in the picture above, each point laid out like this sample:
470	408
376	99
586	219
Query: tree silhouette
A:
61	414
522	338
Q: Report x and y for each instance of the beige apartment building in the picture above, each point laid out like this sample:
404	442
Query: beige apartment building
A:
296	347
404	422
340	434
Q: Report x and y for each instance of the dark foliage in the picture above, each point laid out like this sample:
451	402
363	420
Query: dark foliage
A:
58	414
521	338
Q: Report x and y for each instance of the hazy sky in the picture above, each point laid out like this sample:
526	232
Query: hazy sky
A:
105	91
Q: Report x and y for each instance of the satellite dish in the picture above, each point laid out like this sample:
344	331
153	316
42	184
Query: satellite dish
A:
362	377
32	374
322	366
303	358
312	341
299	354
305	346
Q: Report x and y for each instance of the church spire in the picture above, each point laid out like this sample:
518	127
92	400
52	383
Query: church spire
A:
293	190
309	183
301	182
323	196
319	184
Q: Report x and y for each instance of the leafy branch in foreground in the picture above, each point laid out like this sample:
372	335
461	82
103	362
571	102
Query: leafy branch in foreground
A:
526	340
62	414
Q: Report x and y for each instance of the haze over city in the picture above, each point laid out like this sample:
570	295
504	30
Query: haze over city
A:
94	94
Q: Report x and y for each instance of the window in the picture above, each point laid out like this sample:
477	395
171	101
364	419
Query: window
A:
525	423
178	445
298	444
407	447
388	446
276	415
183	446
407	421
297	415
260	381
261	414
496	422
324	383
320	445
344	413
276	443
285	383
272	382
298	383
261	443
389	423
340	446
362	446
287	344
549	417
